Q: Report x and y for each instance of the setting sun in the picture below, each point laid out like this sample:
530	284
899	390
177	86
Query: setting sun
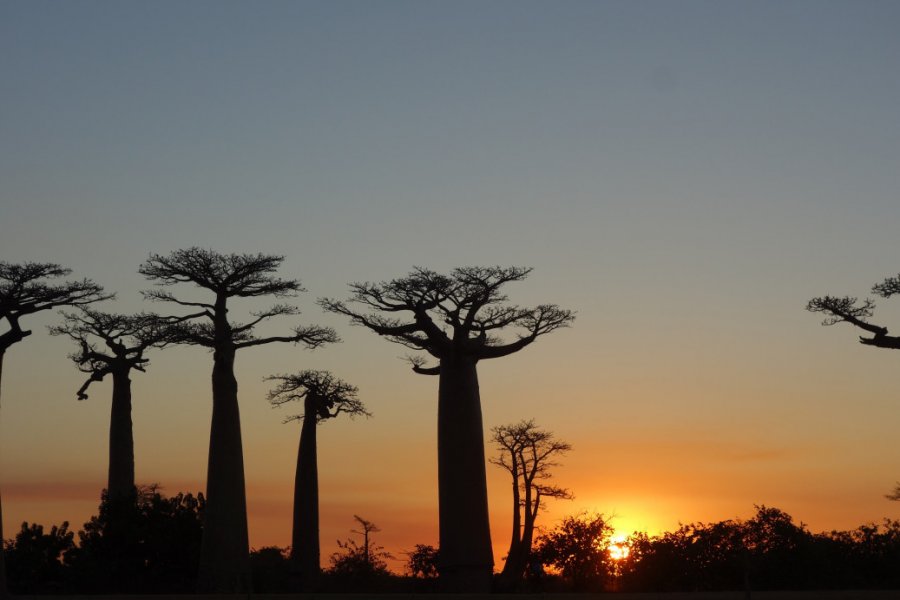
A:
618	547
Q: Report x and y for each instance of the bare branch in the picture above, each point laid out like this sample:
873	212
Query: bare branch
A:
552	491
126	338
846	310
275	311
540	321
895	495
164	296
469	302
242	275
320	391
888	287
24	289
96	375
418	366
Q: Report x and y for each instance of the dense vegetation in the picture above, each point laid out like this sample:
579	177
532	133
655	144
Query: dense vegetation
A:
153	546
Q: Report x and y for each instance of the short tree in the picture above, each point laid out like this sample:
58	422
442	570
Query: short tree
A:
422	561
25	289
150	545
578	550
456	319
324	397
123	340
357	563
527	453
224	556
36	558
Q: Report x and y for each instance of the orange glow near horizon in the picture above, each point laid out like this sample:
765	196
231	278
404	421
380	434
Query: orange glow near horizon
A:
619	551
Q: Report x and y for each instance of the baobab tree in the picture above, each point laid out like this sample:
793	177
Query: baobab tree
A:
324	397
527	453
123	341
456	319
848	309
224	552
25	289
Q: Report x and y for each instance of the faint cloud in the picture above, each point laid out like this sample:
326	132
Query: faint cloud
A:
33	492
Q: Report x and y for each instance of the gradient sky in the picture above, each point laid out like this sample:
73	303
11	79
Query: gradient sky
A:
685	175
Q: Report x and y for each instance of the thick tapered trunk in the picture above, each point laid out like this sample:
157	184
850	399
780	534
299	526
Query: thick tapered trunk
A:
3	590
466	557
120	484
305	537
224	550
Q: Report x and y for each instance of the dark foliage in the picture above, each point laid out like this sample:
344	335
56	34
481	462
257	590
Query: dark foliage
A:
35	560
147	544
422	568
271	569
157	552
422	561
767	552
577	550
360	566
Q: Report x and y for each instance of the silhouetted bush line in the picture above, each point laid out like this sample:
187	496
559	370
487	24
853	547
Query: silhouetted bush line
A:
151	544
766	552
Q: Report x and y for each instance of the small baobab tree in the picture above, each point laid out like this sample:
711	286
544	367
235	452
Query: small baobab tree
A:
114	344
457	319
224	552
25	289
527	453
324	397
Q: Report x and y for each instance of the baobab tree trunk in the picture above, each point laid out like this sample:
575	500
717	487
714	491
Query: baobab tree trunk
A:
514	569
466	557
120	484
509	576
224	549
524	555
3	591
305	536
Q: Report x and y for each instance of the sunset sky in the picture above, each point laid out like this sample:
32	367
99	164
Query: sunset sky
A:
685	175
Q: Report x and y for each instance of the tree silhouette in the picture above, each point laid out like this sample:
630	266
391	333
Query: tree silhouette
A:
456	320
148	545
848	309
36	558
25	289
894	495
124	340
527	453
578	550
224	555
324	397
360	562
422	560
